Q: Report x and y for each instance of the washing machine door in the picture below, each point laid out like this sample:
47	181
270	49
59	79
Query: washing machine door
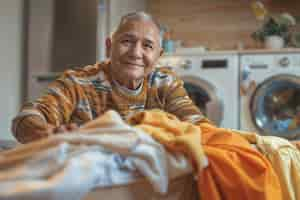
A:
205	96
275	106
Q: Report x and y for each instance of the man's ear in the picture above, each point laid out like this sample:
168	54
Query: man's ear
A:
108	44
161	52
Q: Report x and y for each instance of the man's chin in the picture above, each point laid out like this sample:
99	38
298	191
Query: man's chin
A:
134	74
134	77
134	67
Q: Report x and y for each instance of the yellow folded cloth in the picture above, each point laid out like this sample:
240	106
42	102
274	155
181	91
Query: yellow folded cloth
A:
176	135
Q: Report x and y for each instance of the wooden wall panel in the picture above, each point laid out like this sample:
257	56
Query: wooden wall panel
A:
217	24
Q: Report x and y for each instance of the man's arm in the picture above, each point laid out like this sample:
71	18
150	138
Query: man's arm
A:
42	117
31	127
179	103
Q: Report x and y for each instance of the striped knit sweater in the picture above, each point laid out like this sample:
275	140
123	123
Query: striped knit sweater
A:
84	94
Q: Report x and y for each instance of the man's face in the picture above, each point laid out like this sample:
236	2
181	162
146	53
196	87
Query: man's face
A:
134	49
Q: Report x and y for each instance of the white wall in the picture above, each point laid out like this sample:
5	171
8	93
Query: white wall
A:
10	62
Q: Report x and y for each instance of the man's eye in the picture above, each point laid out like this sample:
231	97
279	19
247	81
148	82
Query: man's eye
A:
150	46
125	41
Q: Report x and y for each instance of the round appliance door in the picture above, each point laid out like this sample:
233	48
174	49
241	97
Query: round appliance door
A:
275	106
204	95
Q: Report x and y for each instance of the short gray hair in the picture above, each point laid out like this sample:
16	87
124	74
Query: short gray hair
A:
143	16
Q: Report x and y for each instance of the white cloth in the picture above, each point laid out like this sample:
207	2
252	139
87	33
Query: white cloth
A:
67	166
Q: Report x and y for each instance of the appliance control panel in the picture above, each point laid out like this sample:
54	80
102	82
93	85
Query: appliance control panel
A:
264	61
203	62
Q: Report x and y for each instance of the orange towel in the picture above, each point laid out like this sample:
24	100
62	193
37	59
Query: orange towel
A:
235	170
284	157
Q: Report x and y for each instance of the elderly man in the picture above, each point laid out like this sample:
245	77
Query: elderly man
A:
128	82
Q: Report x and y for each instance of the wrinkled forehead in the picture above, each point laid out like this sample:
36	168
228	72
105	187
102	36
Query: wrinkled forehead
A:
140	28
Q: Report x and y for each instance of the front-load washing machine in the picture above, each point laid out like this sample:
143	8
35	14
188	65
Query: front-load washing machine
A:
211	80
270	94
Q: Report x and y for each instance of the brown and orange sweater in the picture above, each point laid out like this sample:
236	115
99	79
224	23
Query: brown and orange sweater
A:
84	94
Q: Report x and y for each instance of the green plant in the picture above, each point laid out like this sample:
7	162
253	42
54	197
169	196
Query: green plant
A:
296	40
279	25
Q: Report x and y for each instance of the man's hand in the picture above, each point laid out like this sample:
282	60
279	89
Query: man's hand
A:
33	128
39	133
65	128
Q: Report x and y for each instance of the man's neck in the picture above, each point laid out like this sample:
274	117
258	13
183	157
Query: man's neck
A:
130	84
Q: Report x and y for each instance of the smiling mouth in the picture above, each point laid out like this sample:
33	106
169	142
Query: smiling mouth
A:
128	63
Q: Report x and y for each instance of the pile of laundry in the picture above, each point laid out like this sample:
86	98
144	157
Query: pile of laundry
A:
156	147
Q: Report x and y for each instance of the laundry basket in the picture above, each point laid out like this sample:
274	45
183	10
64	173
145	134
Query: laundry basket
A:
181	188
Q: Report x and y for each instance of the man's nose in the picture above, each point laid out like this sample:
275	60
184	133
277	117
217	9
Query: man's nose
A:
137	50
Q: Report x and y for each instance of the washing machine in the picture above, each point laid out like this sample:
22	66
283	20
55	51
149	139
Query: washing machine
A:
270	94
211	80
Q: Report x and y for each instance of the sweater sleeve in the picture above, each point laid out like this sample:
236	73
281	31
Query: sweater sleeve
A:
177	101
54	107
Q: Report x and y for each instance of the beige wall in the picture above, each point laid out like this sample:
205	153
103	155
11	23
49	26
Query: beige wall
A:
218	24
11	61
74	33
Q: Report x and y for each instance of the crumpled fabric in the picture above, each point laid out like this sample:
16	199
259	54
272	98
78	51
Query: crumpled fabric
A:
285	159
67	166
176	135
296	143
235	169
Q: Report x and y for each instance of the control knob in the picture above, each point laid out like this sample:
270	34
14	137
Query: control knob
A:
187	64
284	62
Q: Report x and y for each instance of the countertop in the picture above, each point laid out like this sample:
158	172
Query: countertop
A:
50	76
241	52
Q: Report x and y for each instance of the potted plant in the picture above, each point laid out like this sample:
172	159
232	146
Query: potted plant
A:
275	31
